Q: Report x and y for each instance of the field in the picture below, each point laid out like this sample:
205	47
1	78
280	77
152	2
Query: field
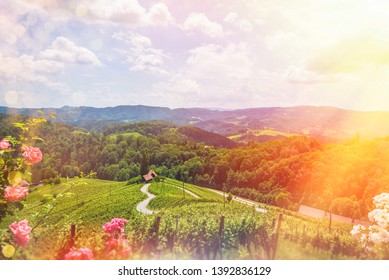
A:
261	135
113	137
181	227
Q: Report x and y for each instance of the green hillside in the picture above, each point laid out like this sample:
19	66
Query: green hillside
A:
288	172
188	226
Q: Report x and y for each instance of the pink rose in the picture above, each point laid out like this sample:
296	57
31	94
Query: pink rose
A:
4	144
123	249
111	244
114	225
21	232
117	247
15	193
32	154
81	254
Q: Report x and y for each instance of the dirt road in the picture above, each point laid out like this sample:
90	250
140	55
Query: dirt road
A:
142	206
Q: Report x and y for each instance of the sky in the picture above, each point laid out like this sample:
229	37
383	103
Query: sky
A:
180	53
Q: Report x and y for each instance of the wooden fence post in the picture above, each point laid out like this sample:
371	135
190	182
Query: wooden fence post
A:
275	244
273	224
173	236
68	244
330	223
218	246
72	234
156	229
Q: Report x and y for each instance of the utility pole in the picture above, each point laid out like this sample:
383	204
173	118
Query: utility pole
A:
332	204
224	195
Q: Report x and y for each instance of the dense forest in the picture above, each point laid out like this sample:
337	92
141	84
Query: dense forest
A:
287	172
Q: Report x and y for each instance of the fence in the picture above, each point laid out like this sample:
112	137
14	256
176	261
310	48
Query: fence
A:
259	240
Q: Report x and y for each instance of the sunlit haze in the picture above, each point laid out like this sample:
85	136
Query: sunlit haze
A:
213	54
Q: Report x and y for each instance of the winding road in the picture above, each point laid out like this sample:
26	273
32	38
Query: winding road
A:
242	200
142	206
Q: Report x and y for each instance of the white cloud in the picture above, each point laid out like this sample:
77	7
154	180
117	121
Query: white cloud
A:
159	15
41	68
200	22
179	84
117	12
128	12
217	76
150	61
26	68
66	51
299	75
234	61
231	17
242	24
178	91
142	56
137	40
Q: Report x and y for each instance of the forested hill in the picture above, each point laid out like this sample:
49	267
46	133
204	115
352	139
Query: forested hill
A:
170	132
287	172
302	120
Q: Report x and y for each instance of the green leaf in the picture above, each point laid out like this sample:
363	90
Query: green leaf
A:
38	138
20	125
15	176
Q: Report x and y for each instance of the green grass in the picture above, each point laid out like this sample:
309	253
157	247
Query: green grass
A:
113	137
170	195
88	201
200	191
262	132
192	222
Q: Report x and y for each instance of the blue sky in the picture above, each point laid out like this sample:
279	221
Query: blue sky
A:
214	54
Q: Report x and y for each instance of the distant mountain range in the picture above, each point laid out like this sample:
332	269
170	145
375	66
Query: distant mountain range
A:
305	120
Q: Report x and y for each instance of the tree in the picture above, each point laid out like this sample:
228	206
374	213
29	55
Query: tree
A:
282	199
144	162
229	197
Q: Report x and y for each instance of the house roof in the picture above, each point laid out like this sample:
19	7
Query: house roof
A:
150	176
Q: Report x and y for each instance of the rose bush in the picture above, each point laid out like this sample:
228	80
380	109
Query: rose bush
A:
17	154
115	225
375	238
115	244
81	254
